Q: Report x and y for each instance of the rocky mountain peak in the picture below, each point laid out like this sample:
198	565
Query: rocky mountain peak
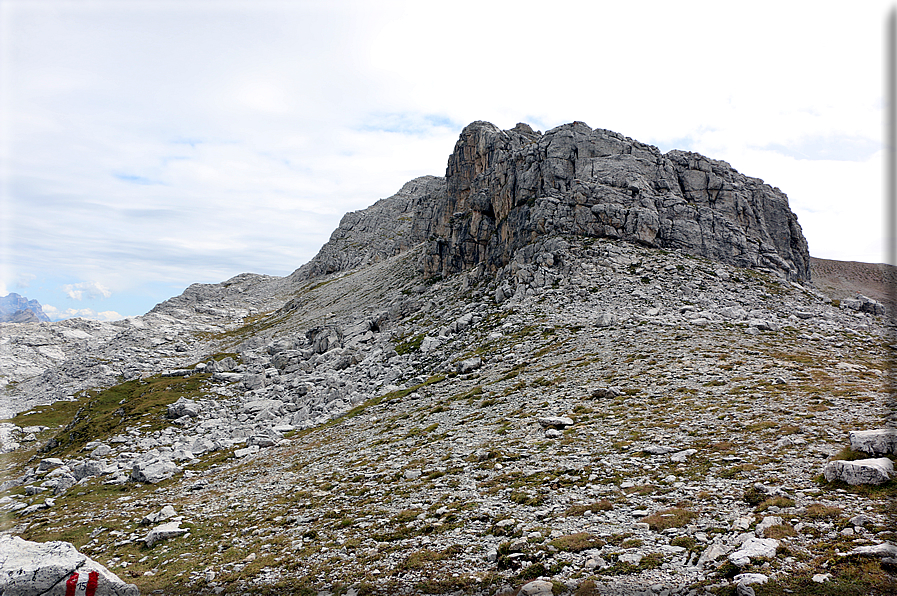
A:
18	309
504	189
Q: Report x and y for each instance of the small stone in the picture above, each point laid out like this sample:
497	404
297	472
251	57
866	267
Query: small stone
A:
469	365
537	588
681	456
754	548
558	422
169	530
858	520
750	578
166	512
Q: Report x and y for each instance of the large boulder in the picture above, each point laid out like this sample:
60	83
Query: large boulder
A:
154	471
880	441
754	548
183	407
537	587
861	471
54	569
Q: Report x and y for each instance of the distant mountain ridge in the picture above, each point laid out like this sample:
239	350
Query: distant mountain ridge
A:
15	308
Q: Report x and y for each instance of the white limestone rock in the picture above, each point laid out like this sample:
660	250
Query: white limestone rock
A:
558	422
750	578
166	512
753	548
167	530
183	407
37	568
883	550
606	319
469	365
861	471
681	456
537	587
880	441
49	463
768	522
154	471
429	344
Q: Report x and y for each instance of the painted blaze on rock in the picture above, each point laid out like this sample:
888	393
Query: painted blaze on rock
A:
54	569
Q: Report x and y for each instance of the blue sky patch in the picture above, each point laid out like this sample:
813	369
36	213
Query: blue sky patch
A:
410	123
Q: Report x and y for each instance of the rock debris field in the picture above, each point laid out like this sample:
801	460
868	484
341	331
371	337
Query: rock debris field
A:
594	418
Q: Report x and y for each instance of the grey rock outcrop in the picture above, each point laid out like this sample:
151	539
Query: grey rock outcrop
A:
861	471
503	189
29	568
386	228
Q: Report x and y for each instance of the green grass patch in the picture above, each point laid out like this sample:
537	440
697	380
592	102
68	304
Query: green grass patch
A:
100	414
410	345
574	543
675	517
602	505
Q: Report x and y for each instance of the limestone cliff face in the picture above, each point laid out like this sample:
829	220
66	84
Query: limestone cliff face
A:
503	189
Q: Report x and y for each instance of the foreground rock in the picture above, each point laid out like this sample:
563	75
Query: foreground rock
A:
34	568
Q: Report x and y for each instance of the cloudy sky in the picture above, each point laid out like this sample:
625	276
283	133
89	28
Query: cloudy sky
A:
145	146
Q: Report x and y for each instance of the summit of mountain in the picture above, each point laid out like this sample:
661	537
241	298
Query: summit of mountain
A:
15	308
505	189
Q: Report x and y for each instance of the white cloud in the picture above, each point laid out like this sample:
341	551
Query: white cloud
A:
108	315
56	314
23	280
86	289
